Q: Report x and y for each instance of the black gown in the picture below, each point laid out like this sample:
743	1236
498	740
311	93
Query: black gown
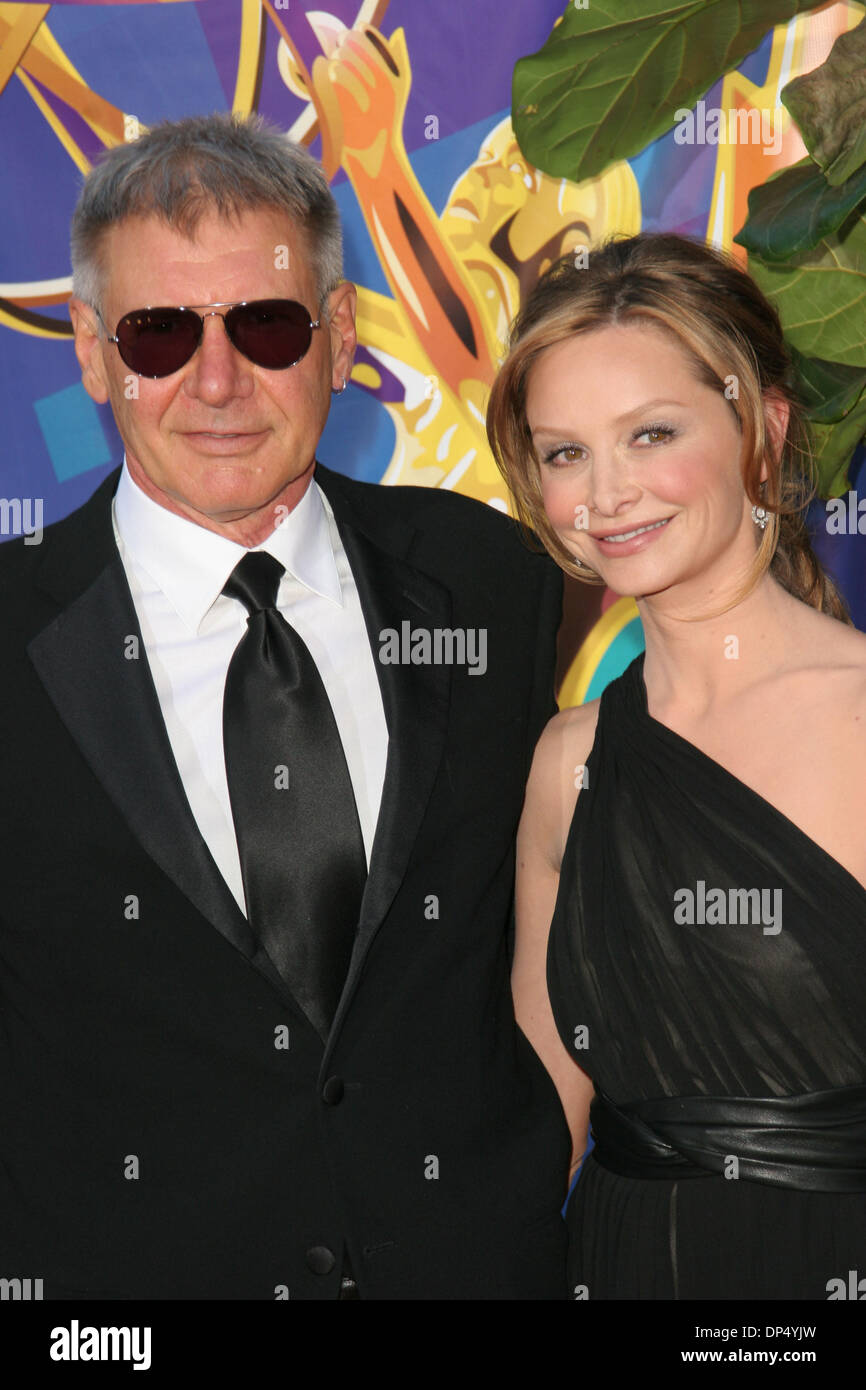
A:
652	1006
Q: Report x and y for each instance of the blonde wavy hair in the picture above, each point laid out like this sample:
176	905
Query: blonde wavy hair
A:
733	339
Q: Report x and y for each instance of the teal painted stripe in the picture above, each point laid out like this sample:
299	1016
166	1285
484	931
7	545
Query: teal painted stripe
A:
622	651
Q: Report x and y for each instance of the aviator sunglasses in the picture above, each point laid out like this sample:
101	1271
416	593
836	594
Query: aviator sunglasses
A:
272	333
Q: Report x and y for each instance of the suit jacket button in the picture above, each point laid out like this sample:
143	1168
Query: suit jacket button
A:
320	1259
332	1091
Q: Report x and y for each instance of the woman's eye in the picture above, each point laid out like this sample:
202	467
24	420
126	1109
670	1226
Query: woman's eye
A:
655	434
565	454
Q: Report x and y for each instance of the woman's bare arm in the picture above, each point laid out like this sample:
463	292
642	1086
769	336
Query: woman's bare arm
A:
551	795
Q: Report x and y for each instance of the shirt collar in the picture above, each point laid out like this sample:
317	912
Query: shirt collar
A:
191	564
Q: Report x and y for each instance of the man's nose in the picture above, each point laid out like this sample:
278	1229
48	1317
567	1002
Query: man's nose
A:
218	372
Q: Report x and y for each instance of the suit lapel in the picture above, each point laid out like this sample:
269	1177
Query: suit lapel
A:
92	663
415	697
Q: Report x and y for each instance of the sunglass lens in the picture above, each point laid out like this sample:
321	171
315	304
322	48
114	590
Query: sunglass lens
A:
157	342
273	333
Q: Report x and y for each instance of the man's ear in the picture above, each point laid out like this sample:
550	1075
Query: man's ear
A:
777	412
342	304
89	348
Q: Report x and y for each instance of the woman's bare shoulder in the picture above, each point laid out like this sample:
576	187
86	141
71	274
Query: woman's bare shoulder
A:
569	735
831	642
557	777
832	666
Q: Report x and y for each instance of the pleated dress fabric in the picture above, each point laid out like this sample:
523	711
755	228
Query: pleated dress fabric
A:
652	1004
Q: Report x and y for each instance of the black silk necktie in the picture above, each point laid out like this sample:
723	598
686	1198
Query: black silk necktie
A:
299	839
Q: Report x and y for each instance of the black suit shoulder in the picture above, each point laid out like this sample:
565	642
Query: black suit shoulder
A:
484	535
70	552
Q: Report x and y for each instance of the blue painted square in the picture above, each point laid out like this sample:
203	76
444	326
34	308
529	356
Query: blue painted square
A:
73	433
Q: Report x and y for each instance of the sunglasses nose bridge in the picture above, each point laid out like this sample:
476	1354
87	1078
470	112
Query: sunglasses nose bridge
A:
212	314
226	314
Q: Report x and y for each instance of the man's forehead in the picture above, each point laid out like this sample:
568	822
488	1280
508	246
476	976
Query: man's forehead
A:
263	242
206	225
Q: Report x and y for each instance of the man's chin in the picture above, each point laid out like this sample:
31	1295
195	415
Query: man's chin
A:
223	490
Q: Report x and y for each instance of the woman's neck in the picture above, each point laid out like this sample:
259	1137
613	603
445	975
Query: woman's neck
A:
696	663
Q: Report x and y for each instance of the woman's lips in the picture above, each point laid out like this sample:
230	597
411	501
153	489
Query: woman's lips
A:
630	541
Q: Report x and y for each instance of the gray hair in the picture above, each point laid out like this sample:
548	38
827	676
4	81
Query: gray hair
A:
181	170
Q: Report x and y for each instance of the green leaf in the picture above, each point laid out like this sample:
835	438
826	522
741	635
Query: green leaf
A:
829	106
820	295
828	390
833	448
613	76
794	210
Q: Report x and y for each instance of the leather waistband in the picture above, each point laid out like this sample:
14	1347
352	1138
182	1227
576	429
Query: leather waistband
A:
814	1142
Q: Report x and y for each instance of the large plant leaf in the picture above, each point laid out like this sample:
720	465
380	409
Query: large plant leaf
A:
611	77
820	296
828	390
829	106
833	447
792	211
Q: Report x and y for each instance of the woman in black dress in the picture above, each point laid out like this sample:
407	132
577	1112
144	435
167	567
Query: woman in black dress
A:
691	897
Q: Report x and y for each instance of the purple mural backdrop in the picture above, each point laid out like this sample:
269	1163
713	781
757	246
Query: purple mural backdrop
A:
75	78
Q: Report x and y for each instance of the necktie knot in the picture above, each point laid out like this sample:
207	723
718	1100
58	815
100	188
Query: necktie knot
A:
255	580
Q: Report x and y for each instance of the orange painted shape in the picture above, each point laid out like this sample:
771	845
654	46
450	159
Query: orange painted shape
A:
18	37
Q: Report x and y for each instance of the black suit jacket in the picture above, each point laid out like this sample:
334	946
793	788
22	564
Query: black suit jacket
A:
173	1127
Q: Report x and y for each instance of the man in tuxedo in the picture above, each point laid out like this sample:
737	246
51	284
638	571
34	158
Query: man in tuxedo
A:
267	730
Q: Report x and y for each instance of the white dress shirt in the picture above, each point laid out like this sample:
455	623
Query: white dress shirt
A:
176	570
